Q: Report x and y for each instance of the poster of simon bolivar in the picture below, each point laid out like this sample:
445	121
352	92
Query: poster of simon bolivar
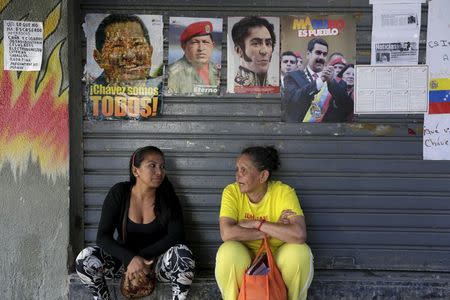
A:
124	64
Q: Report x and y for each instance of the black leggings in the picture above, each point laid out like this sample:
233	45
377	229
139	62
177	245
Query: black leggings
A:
176	266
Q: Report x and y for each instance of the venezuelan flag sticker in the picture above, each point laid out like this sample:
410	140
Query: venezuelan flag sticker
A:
439	96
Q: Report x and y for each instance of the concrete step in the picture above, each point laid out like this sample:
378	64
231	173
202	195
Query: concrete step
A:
327	285
204	287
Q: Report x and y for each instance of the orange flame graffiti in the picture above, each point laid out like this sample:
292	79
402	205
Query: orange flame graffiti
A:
34	119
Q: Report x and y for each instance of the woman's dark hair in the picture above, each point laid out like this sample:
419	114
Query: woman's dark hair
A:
138	156
264	158
341	73
167	204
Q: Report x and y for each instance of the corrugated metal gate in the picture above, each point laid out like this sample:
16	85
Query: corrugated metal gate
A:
369	199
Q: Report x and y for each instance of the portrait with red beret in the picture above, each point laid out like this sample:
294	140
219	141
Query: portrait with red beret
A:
195	55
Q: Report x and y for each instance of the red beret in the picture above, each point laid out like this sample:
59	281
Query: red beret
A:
336	61
194	29
298	55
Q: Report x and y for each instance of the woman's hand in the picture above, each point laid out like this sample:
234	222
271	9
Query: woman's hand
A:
289	228
245	230
285	215
137	269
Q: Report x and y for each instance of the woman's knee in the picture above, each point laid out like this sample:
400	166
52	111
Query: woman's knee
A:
181	255
231	253
181	250
293	254
88	261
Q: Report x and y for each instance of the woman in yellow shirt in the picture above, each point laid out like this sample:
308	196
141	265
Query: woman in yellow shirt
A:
255	206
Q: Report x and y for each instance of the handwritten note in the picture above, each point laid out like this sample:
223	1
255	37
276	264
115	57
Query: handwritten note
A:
436	137
438	39
23	45
436	126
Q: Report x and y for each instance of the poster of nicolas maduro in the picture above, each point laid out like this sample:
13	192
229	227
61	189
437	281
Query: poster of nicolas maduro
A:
124	65
317	57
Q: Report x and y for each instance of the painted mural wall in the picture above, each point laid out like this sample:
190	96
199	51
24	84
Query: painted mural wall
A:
34	161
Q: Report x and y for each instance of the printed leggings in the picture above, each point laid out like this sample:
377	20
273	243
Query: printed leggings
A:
176	266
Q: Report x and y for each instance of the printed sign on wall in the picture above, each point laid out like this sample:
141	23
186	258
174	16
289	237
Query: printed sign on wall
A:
436	136
23	45
124	64
195	54
317	68
253	55
438	56
395	33
391	89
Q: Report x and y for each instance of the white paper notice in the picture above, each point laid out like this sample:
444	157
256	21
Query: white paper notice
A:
382	100
436	137
418	77
401	78
438	39
23	44
384	78
395	33
400	100
391	89
436	133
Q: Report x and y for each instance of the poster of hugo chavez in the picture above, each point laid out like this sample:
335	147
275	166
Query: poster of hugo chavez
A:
124	64
195	54
318	53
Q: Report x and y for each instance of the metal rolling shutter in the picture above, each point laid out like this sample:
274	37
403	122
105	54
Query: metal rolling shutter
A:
369	199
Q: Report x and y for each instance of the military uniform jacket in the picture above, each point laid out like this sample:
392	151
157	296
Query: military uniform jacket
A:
245	77
184	79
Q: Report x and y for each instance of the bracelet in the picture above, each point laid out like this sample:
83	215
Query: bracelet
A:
260	224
